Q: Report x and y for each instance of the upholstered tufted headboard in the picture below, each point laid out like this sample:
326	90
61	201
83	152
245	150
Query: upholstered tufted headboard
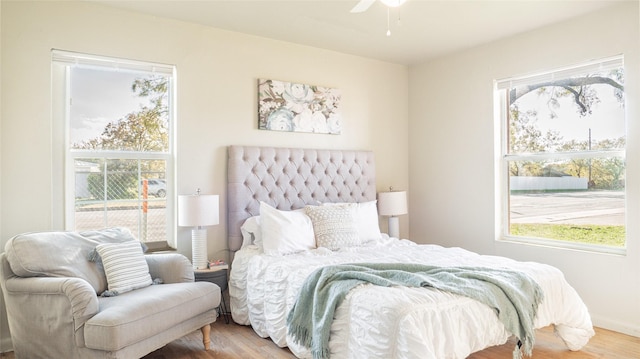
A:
290	178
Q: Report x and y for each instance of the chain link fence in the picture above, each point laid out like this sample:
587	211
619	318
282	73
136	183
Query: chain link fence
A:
124	193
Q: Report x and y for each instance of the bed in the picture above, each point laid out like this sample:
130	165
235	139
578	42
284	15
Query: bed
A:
372	321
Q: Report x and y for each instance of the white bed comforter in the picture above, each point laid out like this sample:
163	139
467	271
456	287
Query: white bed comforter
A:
397	322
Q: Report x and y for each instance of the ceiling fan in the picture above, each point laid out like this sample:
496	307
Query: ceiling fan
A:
363	5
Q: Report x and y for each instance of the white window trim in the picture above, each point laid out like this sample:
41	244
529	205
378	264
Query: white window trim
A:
63	203
502	160
563	72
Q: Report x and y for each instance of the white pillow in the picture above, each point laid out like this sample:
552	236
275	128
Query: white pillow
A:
251	232
124	265
285	232
366	220
334	226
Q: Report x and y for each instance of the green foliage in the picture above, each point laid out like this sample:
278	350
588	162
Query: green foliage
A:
144	130
122	177
119	186
526	138
591	234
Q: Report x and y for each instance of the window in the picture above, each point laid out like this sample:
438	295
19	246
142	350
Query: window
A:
562	169
118	149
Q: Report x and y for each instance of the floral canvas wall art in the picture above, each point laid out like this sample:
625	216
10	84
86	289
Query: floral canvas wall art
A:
293	107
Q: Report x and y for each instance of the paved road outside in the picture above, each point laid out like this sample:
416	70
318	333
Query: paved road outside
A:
589	207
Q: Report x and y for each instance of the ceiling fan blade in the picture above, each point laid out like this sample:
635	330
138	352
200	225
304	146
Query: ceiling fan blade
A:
362	6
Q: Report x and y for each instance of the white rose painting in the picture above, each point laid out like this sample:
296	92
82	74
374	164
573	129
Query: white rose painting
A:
292	107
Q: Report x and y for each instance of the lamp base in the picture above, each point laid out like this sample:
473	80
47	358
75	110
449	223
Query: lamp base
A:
394	227
199	248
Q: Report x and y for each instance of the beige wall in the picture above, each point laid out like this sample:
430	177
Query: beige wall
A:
217	79
452	157
450	117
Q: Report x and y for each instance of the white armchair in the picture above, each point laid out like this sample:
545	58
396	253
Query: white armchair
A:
54	310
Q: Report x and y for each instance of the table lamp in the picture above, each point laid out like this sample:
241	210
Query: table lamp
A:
393	204
198	211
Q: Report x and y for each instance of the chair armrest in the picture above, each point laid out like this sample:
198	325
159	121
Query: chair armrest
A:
170	267
81	298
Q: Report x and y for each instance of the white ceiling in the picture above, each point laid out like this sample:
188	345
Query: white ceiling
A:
427	29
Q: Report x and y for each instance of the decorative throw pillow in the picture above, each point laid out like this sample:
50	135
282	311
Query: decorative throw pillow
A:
366	220
285	232
125	266
334	226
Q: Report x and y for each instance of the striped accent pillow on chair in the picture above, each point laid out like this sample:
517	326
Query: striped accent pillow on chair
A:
125	266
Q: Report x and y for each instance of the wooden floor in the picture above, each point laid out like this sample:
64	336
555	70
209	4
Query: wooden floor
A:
235	341
232	341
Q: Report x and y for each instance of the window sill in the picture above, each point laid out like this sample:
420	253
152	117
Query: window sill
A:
160	249
558	244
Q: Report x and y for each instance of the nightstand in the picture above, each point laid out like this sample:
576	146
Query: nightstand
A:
217	275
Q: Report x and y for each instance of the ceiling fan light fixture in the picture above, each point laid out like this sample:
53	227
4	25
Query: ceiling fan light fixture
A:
393	3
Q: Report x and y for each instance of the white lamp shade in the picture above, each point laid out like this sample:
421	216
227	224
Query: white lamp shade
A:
198	210
392	203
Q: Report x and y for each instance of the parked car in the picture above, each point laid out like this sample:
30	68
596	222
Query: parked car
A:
156	187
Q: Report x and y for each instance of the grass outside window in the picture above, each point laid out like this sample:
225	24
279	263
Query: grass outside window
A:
590	234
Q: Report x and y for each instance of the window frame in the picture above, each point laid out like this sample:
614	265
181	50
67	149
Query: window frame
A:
62	61
502	105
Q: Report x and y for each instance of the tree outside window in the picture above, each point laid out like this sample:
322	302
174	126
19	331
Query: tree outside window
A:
119	152
563	155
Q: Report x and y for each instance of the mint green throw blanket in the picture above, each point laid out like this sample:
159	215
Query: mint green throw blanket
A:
512	295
